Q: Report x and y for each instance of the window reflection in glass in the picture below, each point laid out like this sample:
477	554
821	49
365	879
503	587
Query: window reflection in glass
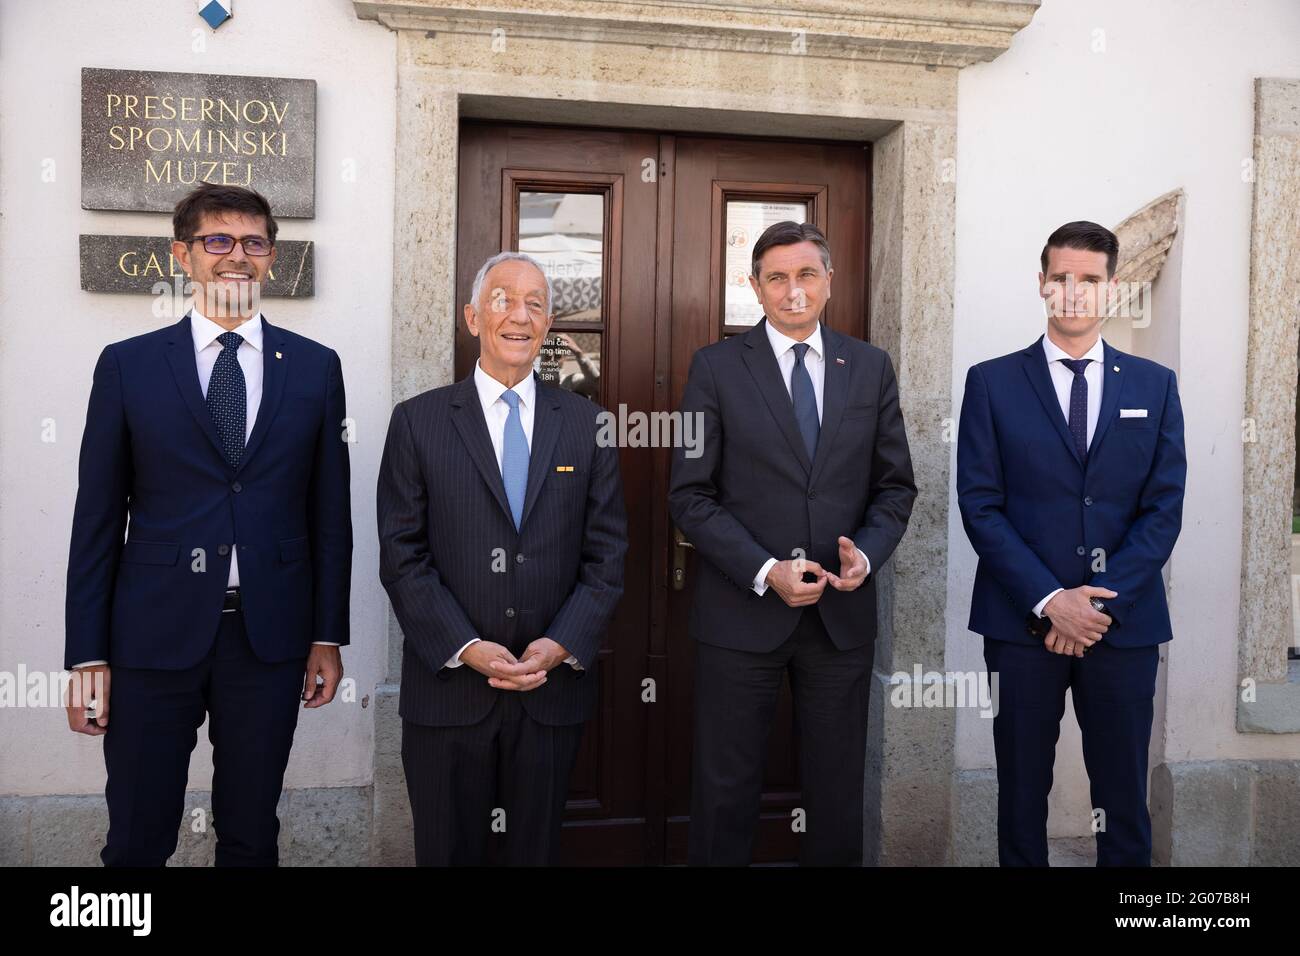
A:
565	232
571	360
745	221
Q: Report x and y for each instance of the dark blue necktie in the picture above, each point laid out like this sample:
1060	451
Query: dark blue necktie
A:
1079	406
805	400
228	397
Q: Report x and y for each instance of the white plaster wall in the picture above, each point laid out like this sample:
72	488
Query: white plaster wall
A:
1050	132
51	332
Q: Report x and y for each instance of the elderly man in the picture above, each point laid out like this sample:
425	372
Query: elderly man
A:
502	534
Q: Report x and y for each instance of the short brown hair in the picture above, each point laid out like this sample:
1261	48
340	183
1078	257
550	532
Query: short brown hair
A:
1087	237
210	197
787	233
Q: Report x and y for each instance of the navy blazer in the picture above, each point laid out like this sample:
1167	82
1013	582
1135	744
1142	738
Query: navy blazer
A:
150	454
1040	520
753	493
456	568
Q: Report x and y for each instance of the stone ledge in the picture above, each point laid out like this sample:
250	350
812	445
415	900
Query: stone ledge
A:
319	826
1226	813
1275	709
928	33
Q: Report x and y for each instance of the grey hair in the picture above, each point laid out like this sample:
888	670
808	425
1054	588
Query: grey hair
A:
509	256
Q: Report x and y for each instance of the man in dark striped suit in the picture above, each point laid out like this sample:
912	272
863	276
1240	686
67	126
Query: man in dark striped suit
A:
502	534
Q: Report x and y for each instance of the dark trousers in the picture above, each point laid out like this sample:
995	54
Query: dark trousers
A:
492	792
153	722
736	695
1113	688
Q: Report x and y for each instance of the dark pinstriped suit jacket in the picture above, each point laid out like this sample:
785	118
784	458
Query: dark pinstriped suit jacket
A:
455	567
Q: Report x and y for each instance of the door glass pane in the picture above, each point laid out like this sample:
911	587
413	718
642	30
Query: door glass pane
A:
571	360
565	232
745	221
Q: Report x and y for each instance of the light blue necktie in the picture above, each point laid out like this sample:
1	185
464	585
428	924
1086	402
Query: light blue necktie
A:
514	457
805	400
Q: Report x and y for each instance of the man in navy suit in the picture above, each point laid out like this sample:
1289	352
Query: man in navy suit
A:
802	492
502	535
1070	475
221	440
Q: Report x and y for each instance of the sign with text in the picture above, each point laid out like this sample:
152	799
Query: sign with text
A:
139	263
149	138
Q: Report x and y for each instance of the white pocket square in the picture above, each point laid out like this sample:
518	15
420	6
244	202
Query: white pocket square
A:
1132	413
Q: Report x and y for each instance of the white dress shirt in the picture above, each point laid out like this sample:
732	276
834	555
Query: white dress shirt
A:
814	360
495	413
1063	382
206	350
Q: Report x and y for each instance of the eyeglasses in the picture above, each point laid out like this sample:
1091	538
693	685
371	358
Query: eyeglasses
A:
219	245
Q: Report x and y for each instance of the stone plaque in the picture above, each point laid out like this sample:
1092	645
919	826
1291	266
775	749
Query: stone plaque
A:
139	263
149	138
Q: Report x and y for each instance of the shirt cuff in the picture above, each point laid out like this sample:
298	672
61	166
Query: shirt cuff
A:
88	664
1038	608
573	662
454	660
866	559
327	643
760	579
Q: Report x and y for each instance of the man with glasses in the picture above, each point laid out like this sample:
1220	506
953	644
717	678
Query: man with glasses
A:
221	440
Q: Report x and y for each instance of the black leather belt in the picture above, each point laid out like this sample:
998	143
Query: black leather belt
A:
233	601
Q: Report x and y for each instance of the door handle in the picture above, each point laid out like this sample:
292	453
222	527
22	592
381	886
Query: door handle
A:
680	544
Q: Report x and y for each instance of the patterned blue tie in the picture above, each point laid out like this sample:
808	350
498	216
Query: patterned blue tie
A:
805	400
514	457
1079	406
228	397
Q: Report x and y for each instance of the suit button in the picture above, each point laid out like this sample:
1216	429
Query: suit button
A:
510	612
812	495
1088	500
519	559
223	549
236	487
1080	550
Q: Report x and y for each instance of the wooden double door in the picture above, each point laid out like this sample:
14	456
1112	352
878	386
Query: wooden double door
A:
647	239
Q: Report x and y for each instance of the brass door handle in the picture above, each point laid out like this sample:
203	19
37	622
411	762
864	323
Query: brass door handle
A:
680	544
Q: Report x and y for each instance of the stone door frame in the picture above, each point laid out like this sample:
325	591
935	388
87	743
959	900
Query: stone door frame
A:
878	71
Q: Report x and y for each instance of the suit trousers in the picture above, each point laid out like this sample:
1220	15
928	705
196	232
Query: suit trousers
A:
736	694
153	721
1113	689
491	792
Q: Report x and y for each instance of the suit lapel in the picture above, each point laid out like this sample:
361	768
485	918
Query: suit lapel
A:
1041	379
185	370
547	421
275	361
1112	384
835	390
467	416
767	376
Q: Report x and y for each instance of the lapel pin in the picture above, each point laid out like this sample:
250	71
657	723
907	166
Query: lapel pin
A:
278	355
564	468
839	361
1115	367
